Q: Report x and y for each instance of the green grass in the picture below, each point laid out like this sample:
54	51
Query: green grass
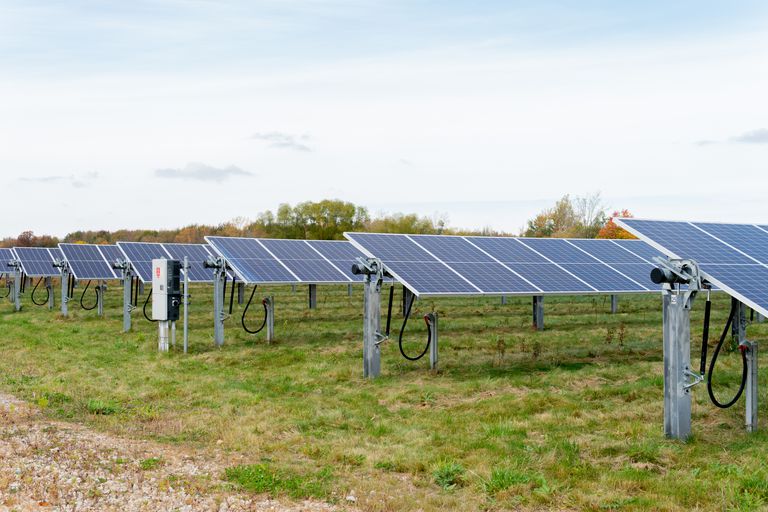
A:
570	417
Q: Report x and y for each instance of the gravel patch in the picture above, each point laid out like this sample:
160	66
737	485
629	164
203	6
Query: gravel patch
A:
48	465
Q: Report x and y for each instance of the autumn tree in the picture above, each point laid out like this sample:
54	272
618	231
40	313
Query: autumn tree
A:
612	230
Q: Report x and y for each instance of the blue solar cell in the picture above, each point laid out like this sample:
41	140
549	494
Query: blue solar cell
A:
451	248
111	253
140	255
36	261
687	241
550	278
557	250
308	264
6	256
341	253
640	272
196	255
746	280
748	239
251	261
432	278
602	277
606	251
506	250
87	262
392	248
493	277
639	248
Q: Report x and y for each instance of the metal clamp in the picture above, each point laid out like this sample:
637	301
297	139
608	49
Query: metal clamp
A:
692	378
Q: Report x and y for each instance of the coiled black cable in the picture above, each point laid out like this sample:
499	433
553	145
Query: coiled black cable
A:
47	296
144	308
245	311
82	296
402	330
734	304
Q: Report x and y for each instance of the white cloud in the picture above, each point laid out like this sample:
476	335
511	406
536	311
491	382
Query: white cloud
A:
201	172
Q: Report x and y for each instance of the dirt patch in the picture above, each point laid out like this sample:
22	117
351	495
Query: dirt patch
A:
48	465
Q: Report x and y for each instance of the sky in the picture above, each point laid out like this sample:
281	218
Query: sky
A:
160	114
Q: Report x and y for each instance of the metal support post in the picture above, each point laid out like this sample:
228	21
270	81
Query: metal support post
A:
538	312
51	296
17	282
293	288
759	318
240	293
162	343
185	303
312	296
349	290
614	304
269	302
100	287
503	300
173	334
372	321
432	319
677	363
141	287
64	268
750	351
219	277
127	298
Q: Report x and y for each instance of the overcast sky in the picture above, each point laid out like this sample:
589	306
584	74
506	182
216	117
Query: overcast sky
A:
136	114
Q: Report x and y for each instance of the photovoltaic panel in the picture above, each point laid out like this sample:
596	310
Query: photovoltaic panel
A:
473	264
196	254
36	261
6	256
305	262
456	265
86	261
731	256
251	261
639	248
339	252
140	255
111	253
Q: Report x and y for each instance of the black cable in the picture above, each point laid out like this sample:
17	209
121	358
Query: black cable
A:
231	294
400	338
389	308
705	337
48	295
245	311
136	288
742	349
23	283
82	296
144	308
71	292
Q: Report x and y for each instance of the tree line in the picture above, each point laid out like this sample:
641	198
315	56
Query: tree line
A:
329	219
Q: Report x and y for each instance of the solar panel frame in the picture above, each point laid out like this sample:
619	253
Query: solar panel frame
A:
744	281
196	254
36	261
93	267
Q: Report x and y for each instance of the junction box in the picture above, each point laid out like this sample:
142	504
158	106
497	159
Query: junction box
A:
166	290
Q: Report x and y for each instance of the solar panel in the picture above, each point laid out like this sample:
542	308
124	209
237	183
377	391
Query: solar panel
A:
258	260
86	261
111	253
6	256
734	257
196	254
36	261
341	253
456	265
141	254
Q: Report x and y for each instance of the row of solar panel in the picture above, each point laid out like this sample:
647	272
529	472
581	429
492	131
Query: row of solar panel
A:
733	256
456	265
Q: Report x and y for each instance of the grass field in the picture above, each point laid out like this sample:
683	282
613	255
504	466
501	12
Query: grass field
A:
567	418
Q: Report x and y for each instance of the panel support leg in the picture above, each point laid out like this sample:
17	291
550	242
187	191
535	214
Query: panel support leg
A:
162	342
51	295
185	303
406	299
313	296
269	302
127	298
614	304
538	312
240	293
677	364
100	288
64	289
503	300
433	346
750	388
219	277
349	290
371	323
18	279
